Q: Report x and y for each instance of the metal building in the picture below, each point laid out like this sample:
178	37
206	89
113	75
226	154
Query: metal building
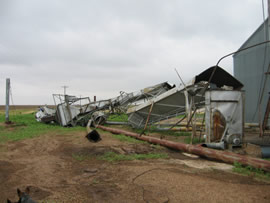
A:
250	67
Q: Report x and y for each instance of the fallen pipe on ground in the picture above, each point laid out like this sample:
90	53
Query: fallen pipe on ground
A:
116	123
225	156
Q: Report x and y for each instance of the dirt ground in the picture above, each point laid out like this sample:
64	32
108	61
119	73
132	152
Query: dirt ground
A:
47	164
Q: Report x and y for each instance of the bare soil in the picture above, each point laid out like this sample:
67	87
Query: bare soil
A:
47	164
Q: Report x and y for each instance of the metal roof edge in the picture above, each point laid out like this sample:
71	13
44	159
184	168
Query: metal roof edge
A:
248	39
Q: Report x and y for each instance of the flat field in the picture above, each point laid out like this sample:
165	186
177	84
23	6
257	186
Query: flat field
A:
21	109
61	165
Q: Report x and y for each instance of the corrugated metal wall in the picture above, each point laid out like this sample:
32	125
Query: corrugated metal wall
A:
249	68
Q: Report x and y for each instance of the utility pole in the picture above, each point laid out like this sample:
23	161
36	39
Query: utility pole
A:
7	99
65	87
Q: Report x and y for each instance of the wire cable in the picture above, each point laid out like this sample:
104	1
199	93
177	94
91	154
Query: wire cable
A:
263	77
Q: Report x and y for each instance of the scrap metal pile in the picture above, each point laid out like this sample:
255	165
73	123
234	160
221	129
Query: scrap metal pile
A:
70	111
214	90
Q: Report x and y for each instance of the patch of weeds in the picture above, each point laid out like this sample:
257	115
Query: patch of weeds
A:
195	140
173	133
25	126
156	146
124	138
182	133
48	201
95	181
180	116
154	129
112	156
251	171
101	130
81	157
118	117
199	115
138	130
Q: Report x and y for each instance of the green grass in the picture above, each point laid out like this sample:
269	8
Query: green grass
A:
124	138
13	111
197	115
48	201
195	140
25	126
118	117
181	133
81	157
153	129
250	171
95	181
156	146
113	157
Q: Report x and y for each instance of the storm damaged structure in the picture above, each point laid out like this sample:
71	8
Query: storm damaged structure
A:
224	109
71	112
68	111
214	90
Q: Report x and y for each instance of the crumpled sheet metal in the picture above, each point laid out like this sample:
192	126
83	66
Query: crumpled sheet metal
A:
45	114
167	105
176	101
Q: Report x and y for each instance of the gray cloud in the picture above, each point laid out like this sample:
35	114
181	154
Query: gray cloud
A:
100	47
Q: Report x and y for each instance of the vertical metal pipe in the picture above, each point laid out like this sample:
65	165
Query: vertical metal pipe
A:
7	99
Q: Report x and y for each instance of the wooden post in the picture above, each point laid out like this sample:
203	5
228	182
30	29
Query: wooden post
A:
148	117
7	99
260	120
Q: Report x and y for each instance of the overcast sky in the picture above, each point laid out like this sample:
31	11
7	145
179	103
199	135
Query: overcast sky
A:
101	47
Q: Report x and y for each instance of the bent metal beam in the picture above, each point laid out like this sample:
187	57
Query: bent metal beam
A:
227	157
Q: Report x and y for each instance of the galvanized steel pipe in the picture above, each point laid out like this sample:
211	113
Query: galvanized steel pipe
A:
225	156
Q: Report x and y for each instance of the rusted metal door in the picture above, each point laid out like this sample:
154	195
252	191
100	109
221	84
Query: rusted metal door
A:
219	125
